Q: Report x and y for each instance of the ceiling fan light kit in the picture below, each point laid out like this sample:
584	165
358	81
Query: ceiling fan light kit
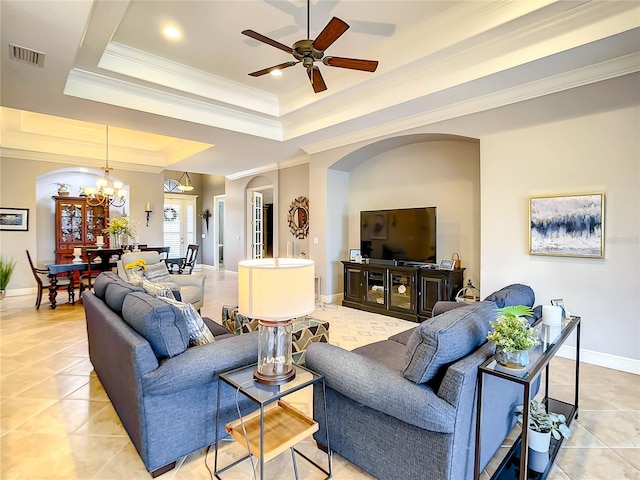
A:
309	51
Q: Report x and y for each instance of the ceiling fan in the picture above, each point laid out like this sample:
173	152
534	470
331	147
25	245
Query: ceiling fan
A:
309	51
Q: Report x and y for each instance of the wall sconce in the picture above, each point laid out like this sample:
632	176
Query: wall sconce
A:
148	211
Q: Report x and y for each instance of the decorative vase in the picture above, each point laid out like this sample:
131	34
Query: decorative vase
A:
538	441
2	294
117	240
514	360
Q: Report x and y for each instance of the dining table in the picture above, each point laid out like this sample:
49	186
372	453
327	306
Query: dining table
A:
56	269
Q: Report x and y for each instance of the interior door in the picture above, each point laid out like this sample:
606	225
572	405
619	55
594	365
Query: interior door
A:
179	223
257	225
218	232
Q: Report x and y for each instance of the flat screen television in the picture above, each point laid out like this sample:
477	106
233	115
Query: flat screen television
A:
407	234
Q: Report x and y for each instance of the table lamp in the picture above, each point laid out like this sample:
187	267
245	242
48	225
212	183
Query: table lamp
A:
275	291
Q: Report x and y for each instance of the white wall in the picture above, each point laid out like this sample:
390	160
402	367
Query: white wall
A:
594	153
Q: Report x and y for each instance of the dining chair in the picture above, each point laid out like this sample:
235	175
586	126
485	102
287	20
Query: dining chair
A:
99	260
184	263
64	283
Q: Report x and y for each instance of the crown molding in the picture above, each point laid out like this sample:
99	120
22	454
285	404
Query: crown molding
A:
78	161
145	66
252	172
595	73
100	88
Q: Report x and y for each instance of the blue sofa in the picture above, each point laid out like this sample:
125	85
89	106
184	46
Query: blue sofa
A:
405	407
163	390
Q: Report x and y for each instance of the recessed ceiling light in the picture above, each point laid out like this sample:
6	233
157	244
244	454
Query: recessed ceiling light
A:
276	72
172	32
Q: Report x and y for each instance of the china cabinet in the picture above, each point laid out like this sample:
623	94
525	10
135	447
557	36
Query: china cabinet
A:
77	224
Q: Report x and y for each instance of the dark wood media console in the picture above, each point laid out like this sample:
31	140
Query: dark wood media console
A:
403	291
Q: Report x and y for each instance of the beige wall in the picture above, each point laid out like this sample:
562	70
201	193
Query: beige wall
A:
30	184
444	174
294	183
594	153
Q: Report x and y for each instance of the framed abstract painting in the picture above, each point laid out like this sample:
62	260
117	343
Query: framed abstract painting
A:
16	219
567	225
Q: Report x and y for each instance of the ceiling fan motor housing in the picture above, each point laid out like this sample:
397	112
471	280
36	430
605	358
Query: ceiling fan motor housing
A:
303	50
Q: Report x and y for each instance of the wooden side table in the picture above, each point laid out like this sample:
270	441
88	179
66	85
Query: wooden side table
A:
516	463
276	426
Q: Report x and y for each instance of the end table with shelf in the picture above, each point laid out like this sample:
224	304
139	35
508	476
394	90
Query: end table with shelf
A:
516	464
275	426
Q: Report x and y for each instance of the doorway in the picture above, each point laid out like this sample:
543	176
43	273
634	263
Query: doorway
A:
179	224
260	222
218	231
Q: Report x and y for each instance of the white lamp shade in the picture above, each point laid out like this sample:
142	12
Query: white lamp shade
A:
276	289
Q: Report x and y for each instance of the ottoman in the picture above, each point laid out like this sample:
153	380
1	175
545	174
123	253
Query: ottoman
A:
306	330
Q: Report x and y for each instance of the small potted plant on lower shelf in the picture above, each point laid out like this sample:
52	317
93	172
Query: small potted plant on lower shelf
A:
513	336
543	425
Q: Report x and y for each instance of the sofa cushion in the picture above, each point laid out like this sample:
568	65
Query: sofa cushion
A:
161	324
446	338
515	294
101	282
116	292
199	334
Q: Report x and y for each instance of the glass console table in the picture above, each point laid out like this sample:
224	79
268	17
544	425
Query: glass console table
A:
519	462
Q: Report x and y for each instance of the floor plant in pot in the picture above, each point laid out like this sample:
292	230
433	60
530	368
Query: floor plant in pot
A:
543	425
513	336
6	270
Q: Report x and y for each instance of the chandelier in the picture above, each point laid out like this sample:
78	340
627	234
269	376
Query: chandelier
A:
187	186
107	192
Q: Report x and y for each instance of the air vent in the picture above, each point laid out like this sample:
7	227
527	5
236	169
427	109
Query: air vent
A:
26	55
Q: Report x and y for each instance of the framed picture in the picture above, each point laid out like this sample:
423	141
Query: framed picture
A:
353	254
558	302
567	225
16	219
446	264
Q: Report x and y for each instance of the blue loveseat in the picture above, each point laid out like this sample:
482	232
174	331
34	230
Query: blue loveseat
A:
163	390
405	407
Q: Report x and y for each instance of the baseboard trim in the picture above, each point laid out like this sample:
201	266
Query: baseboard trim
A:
601	359
16	292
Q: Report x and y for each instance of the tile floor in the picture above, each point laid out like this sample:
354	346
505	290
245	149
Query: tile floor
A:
57	422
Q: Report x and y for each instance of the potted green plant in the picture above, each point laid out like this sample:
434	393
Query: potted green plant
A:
6	270
543	425
513	336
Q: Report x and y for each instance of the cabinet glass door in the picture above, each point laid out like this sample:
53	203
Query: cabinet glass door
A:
96	221
402	292
71	223
375	287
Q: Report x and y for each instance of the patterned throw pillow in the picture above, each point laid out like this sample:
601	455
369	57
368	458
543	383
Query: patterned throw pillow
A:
199	334
157	273
157	289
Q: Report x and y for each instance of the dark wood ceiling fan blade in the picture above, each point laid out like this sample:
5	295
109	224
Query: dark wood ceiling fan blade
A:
351	63
332	31
316	79
267	40
270	69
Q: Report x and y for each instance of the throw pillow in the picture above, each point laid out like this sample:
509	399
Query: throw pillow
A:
199	334
157	272
157	289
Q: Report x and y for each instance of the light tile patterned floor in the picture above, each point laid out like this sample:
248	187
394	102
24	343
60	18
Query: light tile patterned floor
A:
56	421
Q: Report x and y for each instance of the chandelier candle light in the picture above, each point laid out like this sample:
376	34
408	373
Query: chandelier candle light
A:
275	291
106	192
